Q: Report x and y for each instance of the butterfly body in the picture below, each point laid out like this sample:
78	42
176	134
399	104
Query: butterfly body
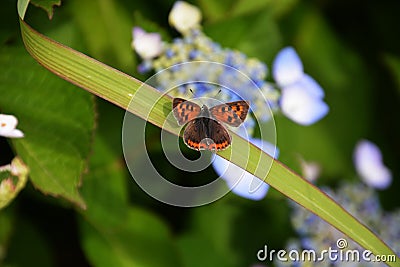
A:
204	130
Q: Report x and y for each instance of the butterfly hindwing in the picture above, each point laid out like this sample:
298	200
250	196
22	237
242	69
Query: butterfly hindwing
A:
232	113
206	134
184	110
219	135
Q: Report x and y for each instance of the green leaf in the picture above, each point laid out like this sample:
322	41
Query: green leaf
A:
105	188
255	34
393	63
6	229
107	31
150	104
27	246
47	5
57	120
210	237
274	7
22	6
139	240
221	10
214	240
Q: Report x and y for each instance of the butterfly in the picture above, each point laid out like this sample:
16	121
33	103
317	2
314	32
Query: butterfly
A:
204	130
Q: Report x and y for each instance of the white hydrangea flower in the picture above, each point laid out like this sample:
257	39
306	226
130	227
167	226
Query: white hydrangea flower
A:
147	45
8	124
184	16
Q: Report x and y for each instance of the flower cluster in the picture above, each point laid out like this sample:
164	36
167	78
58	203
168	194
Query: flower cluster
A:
200	64
315	234
360	200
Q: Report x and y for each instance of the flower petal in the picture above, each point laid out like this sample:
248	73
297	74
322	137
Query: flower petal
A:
240	181
302	107
287	67
13	134
147	45
311	86
184	16
8	123
369	166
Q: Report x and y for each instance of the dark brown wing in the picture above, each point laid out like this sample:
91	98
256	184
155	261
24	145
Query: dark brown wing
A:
232	113
184	110
206	134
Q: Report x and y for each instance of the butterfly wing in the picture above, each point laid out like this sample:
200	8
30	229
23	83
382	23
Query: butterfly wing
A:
184	110
206	134
232	113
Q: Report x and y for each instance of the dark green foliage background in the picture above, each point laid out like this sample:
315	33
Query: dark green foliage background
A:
350	47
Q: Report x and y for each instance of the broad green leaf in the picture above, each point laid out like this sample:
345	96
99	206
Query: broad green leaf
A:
209	238
47	5
196	246
27	246
104	188
139	240
150	104
276	8
393	64
255	34
106	30
57	120
7	217
220	10
214	10
223	234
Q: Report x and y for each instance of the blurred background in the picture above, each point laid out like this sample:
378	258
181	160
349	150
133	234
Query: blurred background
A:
350	47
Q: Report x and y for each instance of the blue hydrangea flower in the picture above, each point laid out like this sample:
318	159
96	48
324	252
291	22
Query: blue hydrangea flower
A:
316	234
241	182
301	96
368	162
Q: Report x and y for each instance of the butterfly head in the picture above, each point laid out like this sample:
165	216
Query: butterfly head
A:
205	112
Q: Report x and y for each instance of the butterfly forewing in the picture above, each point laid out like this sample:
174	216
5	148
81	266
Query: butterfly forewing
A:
232	113
184	110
